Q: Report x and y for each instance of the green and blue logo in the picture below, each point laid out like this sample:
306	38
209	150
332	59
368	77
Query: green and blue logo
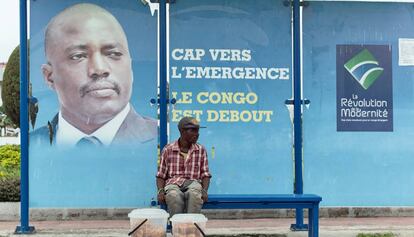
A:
364	68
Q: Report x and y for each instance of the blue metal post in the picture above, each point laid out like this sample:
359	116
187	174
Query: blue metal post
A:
297	118
163	73
24	227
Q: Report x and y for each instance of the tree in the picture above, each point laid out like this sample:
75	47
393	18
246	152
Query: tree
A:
10	93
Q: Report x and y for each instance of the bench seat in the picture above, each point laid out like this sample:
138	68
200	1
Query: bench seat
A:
270	201
261	201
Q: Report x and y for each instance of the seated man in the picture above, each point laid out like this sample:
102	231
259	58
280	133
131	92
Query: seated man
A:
183	175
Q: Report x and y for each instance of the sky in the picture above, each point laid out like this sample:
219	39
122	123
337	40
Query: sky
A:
9	28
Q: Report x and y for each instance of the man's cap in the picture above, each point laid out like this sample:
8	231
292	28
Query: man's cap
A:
189	122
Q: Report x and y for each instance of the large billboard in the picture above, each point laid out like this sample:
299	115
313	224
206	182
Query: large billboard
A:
93	69
230	67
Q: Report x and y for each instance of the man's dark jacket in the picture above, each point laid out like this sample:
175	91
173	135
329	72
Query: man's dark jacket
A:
135	128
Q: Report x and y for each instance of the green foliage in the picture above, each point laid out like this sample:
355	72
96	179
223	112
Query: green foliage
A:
9	162
376	235
10	93
10	190
9	173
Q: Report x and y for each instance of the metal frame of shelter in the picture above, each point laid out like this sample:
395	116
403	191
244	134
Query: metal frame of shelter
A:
25	228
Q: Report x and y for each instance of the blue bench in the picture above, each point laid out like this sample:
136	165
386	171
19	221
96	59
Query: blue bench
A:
269	201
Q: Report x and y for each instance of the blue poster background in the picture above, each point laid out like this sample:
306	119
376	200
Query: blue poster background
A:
371	100
245	156
356	168
345	168
104	177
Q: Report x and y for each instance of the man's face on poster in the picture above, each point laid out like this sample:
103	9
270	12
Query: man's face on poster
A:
89	66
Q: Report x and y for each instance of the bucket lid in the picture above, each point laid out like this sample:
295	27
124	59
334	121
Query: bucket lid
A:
148	213
190	217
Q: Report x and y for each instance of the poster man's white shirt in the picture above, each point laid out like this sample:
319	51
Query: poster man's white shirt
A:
68	135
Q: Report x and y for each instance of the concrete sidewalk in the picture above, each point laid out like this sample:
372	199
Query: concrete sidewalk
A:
347	227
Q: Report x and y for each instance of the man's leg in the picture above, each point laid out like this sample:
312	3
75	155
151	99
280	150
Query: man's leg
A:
193	195
175	199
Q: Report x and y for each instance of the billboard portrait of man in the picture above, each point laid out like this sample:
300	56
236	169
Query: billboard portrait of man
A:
89	67
93	71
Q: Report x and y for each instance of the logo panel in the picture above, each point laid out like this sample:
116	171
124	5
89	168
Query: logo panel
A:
364	88
364	68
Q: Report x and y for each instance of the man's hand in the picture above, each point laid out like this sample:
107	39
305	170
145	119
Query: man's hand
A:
161	190
204	195
161	197
205	182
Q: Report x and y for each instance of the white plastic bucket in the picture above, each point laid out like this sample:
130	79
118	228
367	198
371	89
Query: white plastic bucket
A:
184	225
148	222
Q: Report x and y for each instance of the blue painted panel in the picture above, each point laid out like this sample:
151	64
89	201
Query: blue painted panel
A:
115	176
356	168
245	156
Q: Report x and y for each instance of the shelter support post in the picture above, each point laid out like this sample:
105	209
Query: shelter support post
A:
297	118
162	34
24	227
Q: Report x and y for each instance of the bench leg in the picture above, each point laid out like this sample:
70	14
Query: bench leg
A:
310	222
299	226
313	218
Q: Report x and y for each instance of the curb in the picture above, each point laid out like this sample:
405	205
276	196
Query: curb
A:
10	211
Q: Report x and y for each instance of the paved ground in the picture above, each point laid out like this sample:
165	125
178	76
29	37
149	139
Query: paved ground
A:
332	227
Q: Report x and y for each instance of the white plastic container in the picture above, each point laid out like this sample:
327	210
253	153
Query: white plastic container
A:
184	225
154	222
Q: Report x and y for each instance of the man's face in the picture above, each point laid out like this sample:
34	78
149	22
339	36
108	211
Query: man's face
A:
89	68
190	135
